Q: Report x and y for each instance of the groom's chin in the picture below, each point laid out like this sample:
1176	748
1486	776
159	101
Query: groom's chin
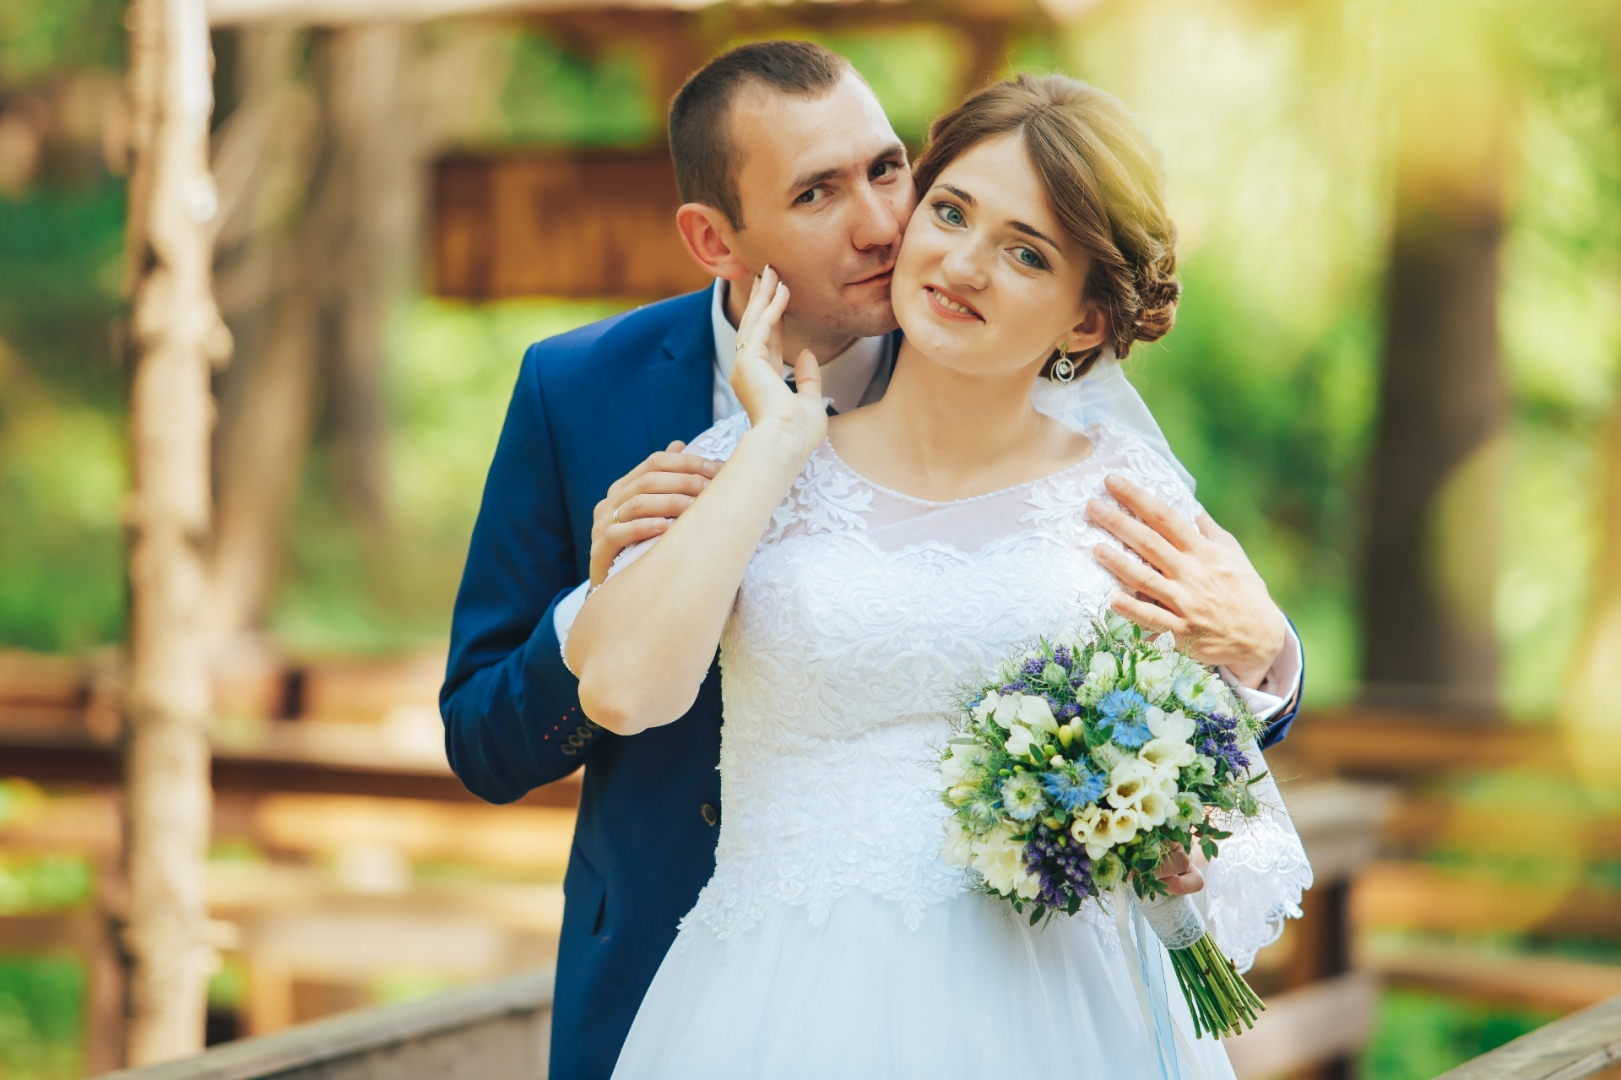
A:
867	319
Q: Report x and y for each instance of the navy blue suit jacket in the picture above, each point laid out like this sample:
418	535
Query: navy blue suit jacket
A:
589	406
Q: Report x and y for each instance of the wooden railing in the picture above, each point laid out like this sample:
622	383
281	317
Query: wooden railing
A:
1584	1044
495	1031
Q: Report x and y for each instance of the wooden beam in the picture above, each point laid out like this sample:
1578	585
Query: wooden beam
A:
351	12
1578	1046
496	1029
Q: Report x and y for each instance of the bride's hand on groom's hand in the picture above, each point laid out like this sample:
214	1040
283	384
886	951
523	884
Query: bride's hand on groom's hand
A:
1195	582
1179	873
797	418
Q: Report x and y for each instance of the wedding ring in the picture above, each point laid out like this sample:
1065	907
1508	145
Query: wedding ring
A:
616	517
739	346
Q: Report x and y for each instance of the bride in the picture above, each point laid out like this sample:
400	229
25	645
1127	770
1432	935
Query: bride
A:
854	573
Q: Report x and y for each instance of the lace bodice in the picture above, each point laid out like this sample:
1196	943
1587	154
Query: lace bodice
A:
861	614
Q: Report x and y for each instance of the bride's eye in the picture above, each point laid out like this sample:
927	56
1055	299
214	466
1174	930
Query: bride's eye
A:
1029	257
949	214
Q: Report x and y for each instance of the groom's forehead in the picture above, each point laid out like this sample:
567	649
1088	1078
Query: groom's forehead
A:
801	141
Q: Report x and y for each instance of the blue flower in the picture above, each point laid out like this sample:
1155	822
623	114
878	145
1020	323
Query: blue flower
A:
1073	790
1131	733
1118	705
1125	709
1021	797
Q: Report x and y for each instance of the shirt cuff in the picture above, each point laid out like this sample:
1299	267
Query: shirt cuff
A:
563	616
1280	686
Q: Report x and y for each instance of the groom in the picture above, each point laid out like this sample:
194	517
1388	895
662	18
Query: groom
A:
783	156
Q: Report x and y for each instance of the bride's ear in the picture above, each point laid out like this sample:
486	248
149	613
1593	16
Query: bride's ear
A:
1090	332
711	241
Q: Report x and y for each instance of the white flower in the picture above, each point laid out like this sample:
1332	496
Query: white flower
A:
997	858
1165	642
1007	709
1154	679
963	765
1127	782
1109	755
1155	806
1103	668
959	846
1019	740
1026	884
1176	725
1124	825
1188	810
1037	715
1167	755
986	706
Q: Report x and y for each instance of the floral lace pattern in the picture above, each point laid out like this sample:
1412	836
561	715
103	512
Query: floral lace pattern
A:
862	612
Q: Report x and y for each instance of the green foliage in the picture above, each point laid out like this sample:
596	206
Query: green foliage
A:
1420	1035
62	471
41	38
37	883
42	1004
452	367
557	97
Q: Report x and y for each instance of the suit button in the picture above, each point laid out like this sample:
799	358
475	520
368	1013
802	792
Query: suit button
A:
711	815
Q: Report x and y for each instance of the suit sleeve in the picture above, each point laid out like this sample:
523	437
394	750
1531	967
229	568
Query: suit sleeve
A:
511	708
1277	727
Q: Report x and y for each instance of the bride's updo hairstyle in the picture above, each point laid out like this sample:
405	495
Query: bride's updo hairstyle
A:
1102	177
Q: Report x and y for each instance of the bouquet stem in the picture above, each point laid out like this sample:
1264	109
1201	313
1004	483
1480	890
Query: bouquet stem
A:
1221	1002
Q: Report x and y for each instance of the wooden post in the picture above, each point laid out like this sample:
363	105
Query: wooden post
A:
177	337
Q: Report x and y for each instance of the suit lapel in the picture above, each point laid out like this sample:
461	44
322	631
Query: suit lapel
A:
886	368
680	387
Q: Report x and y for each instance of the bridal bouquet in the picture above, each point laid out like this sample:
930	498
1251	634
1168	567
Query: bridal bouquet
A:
1078	767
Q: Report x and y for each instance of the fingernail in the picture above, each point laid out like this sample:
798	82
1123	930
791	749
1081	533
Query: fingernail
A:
705	484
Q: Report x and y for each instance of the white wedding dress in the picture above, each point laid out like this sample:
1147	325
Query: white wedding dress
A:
833	942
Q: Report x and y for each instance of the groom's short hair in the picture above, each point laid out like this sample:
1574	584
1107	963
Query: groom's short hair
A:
701	115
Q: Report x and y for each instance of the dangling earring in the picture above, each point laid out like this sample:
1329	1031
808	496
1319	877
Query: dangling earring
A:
1063	371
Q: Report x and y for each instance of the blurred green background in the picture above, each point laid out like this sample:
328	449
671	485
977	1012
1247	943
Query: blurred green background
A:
1278	124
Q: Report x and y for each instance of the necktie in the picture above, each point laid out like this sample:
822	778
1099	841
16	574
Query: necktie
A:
792	385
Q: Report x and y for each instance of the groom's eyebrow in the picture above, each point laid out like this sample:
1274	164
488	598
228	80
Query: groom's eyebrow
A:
897	152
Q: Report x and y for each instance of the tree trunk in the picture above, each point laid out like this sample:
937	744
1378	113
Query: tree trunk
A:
266	402
1436	519
378	155
1590	712
178	337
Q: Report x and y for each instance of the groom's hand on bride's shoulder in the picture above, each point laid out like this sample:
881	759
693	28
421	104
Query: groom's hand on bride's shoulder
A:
1194	581
641	504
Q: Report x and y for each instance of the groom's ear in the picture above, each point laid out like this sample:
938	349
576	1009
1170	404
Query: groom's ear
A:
711	240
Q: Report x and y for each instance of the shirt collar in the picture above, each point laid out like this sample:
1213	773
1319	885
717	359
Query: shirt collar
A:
845	377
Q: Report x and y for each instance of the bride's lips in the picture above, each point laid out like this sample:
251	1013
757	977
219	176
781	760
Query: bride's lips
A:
960	309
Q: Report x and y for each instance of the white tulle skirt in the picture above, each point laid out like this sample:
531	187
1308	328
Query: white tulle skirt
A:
971	992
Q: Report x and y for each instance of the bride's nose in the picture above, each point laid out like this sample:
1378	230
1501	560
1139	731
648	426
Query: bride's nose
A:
967	264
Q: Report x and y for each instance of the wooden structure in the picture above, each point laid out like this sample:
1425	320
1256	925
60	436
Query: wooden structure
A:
495	1032
559	225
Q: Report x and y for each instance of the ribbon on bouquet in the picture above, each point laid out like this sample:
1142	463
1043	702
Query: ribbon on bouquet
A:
1146	967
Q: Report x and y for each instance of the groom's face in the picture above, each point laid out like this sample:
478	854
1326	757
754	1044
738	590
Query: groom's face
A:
826	193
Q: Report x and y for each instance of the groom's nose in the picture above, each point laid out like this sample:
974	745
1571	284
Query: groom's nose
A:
875	224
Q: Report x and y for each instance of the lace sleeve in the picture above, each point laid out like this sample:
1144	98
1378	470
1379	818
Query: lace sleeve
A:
1256	879
716	444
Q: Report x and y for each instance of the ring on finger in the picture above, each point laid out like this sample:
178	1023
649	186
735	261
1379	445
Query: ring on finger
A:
616	520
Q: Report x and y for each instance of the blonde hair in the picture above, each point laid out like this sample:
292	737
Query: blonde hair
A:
1102	176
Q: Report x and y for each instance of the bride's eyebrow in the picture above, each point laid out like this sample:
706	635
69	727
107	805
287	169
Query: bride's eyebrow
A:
960	193
1031	230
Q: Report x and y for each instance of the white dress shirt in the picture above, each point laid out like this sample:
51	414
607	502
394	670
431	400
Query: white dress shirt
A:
849	380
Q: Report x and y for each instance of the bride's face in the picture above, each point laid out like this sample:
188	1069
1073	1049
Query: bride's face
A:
987	281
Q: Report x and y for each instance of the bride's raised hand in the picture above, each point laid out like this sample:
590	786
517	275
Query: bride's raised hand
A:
797	417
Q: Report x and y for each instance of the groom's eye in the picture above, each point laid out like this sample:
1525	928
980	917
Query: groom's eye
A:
815	194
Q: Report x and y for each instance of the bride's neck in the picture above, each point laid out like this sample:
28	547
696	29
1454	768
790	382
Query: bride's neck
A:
946	422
